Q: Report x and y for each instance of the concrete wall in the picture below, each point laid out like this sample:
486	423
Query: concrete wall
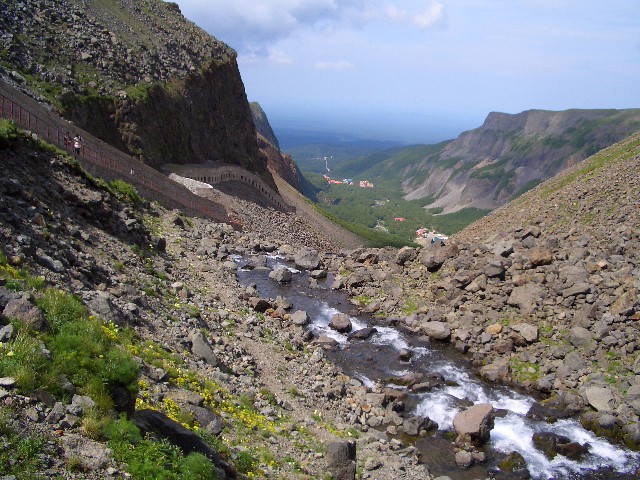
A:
218	173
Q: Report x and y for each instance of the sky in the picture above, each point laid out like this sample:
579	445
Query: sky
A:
421	71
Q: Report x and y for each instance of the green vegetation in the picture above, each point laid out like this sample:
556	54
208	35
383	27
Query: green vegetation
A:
8	132
20	455
149	459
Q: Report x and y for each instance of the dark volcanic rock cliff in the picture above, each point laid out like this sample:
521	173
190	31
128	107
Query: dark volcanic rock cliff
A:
135	73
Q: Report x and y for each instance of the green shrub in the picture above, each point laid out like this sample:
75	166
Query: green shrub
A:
8	132
60	308
150	459
125	192
23	359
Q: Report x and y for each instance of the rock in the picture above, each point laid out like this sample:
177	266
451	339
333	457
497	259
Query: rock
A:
307	258
363	333
494	329
503	249
260	305
157	423
525	297
624	304
497	371
436	330
541	256
552	444
341	460
281	275
404	255
26	312
102	305
326	342
91	455
600	398
464	459
476	421
529	332
514	466
201	348
341	322
300	318
577	289
414	425
580	337
6	333
318	274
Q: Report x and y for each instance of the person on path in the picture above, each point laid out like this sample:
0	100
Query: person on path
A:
67	141
77	143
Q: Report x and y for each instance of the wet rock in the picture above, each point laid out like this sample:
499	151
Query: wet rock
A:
281	275
476	421
513	467
307	259
260	305
363	333
464	459
497	371
552	444
341	322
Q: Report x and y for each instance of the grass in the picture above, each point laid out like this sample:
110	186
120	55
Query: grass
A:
8	132
21	454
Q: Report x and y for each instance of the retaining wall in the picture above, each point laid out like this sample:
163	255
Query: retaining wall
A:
101	159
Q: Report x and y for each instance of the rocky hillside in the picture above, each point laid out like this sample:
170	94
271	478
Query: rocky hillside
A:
136	74
509	154
543	293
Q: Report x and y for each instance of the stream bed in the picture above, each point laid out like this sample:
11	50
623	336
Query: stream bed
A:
378	358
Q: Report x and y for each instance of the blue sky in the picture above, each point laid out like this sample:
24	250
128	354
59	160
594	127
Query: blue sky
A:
424	71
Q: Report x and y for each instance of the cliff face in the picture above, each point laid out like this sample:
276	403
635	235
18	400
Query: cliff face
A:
136	74
509	154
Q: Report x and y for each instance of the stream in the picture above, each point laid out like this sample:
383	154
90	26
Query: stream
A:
378	358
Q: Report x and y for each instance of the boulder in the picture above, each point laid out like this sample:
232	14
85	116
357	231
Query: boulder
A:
307	259
201	349
525	297
25	311
363	333
157	423
300	318
341	322
464	459
600	398
476	421
497	371
529	332
541	256
281	275
341	460
436	330
405	254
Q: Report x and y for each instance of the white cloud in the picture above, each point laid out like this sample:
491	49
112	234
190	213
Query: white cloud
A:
431	16
253	26
336	66
278	56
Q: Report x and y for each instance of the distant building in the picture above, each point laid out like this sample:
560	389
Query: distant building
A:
365	184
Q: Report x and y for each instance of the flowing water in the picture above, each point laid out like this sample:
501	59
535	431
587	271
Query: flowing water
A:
377	359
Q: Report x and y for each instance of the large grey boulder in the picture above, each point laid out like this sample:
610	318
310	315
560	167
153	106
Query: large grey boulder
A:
476	421
300	318
600	398
308	259
436	330
525	297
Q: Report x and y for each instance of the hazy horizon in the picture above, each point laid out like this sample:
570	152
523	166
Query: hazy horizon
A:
426	70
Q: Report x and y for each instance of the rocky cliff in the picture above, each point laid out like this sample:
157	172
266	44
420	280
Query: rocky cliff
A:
136	74
509	154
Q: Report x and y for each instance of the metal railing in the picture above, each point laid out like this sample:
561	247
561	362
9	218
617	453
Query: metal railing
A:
102	159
